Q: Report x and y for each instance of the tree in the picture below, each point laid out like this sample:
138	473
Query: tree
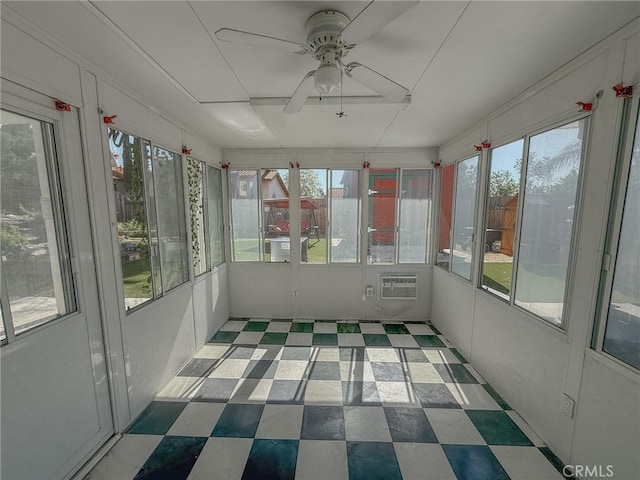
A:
502	184
310	185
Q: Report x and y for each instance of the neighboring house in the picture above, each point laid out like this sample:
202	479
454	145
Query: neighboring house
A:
273	185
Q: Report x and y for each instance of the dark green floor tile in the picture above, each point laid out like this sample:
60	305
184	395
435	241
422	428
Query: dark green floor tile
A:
299	327
496	396
224	337
497	428
429	341
271	459
348	328
157	418
454	373
409	425
173	459
273	338
458	355
372	460
474	462
376	340
255	327
327	339
322	423
238	420
395	328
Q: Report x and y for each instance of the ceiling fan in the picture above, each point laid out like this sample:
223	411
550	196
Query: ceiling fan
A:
330	36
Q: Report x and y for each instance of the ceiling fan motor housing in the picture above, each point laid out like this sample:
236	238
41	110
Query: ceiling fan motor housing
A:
323	35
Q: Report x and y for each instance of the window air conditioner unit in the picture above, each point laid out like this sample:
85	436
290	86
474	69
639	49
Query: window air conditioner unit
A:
397	286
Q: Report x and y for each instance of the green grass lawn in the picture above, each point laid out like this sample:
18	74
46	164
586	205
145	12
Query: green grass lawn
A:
497	276
534	287
136	279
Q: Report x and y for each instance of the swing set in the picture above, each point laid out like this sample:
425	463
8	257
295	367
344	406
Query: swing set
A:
278	227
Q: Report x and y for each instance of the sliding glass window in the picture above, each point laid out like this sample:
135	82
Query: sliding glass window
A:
313	215
245	215
345	216
215	224
464	217
444	219
501	218
415	216
547	223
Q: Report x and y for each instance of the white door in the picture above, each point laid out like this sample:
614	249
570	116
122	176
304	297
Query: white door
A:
56	409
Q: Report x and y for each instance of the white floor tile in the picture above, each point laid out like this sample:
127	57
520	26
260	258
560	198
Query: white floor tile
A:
419	461
197	419
418	329
325	354
372	328
325	328
525	463
212	351
267	352
322	460
472	396
230	368
233	326
403	341
224	456
281	421
125	458
249	338
382	354
367	424
180	389
440	355
299	339
279	327
350	340
323	392
291	370
423	373
453	426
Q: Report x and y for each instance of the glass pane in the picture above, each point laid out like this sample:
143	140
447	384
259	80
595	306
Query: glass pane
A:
313	215
547	220
195	182
245	215
444	221
502	212
382	216
622	334
167	173
3	336
214	211
345	216
275	205
35	256
464	217
127	171
415	208
152	220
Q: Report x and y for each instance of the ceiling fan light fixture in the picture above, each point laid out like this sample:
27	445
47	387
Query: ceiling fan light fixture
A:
327	79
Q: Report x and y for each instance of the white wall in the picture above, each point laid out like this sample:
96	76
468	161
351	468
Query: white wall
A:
295	290
144	349
530	363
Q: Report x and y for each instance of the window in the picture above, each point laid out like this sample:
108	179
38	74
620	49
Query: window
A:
245	215
406	211
215	218
501	218
464	217
36	278
275	208
446	210
313	215
546	231
344	195
621	309
150	217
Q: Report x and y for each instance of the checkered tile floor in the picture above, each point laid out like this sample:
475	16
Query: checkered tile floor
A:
285	399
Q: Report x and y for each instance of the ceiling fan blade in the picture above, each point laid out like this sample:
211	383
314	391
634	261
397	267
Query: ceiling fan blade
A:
372	18
248	38
298	98
376	81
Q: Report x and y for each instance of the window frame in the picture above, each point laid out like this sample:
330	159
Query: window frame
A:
211	265
629	123
54	140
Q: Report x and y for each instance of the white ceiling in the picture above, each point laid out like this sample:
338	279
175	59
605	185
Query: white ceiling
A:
460	60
